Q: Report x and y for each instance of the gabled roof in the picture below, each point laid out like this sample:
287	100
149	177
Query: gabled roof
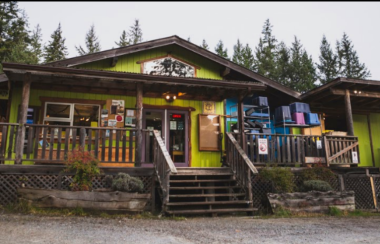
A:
170	41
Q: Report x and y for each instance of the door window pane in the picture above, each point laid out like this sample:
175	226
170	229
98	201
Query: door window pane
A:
57	110
177	137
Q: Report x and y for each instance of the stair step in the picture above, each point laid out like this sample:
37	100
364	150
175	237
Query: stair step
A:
191	181
210	195
200	211
206	203
201	187
204	171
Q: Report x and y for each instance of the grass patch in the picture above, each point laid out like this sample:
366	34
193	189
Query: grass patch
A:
334	211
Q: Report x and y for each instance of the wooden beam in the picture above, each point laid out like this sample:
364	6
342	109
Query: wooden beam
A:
240	109
349	119
114	61
139	108
20	137
361	94
370	139
226	71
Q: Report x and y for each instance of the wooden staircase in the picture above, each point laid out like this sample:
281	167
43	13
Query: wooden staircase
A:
205	191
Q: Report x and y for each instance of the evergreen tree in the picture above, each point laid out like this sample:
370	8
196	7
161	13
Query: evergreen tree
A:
248	58
13	30
135	33
349	65
220	50
265	54
204	45
124	41
36	45
328	63
302	73
237	57
56	49
92	43
283	64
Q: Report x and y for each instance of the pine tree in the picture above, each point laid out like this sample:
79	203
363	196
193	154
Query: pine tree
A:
220	50
204	45
56	49
124	41
248	58
13	30
265	54
92	43
302	73
349	65
135	33
328	63
36	45
237	57
283	64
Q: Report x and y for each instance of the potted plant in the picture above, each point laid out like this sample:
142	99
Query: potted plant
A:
84	166
312	194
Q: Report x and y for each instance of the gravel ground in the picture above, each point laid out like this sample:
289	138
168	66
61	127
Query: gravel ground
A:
18	229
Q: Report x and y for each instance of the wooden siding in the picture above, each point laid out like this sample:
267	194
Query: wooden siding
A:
127	63
198	159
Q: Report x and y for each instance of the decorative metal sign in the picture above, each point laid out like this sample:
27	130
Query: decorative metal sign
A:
208	107
168	66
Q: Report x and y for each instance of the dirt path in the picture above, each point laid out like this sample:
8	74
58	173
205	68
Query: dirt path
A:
36	229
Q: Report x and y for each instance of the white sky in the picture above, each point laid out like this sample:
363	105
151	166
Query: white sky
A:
212	21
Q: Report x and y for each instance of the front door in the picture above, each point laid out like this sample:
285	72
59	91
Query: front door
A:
173	127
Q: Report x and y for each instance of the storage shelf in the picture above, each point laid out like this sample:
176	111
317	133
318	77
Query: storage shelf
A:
264	119
295	125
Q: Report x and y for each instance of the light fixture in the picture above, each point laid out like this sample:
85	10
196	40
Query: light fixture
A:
360	92
170	97
355	91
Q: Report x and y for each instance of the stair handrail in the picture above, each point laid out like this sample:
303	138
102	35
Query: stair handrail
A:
163	165
241	166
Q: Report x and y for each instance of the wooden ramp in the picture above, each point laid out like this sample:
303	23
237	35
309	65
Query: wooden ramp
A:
206	191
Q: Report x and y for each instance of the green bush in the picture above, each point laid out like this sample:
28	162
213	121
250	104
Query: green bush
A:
317	173
126	183
282	179
316	185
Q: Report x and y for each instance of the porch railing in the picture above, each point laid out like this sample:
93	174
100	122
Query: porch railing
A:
300	149
50	144
340	149
241	166
163	165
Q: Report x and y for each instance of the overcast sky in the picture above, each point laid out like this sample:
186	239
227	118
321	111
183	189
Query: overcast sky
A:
214	21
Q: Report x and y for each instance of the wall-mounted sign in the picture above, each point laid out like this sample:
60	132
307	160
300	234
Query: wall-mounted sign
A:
208	107
168	66
173	125
176	116
319	144
355	157
263	146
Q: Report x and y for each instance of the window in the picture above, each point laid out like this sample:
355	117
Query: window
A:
71	114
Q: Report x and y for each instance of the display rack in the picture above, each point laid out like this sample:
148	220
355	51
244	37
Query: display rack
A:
262	115
284	125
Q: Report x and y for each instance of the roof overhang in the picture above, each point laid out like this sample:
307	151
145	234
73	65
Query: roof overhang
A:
95	81
364	95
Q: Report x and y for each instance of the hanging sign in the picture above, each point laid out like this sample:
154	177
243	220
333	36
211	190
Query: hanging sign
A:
355	157
319	144
263	146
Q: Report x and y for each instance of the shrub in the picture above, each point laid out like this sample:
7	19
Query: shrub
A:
125	182
317	173
316	185
85	166
282	179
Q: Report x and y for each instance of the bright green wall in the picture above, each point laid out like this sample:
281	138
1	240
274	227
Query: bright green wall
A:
375	129
361	131
127	63
199	159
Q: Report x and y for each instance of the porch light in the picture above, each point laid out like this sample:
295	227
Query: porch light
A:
170	98
355	91
360	92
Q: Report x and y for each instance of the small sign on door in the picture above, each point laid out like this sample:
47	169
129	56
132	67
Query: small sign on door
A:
319	144
355	157
263	146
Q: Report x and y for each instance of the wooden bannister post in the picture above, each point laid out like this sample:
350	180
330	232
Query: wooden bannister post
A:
240	109
22	118
139	108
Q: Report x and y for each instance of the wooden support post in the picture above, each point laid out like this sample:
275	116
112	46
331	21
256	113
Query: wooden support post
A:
139	108
349	120
22	118
240	109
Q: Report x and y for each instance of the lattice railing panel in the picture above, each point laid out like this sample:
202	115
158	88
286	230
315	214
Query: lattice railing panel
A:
361	185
